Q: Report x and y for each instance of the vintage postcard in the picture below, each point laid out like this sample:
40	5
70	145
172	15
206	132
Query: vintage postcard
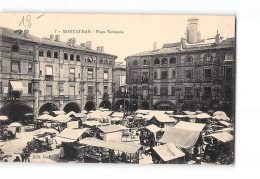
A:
117	88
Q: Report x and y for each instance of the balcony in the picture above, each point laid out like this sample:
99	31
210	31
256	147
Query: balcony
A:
49	77
122	95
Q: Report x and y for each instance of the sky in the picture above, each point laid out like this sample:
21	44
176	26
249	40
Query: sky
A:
140	31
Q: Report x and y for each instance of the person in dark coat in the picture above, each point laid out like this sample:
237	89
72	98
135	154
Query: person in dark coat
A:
17	159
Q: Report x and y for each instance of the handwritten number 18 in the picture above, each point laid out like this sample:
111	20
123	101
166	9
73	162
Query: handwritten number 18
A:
26	21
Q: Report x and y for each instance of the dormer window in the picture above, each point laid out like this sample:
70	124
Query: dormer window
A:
65	56
172	60
145	62
135	63
156	61
71	57
41	53
15	48
78	58
101	61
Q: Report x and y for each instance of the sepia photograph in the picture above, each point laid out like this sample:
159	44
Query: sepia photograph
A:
117	88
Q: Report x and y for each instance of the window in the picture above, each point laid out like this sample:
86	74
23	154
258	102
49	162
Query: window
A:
188	74
155	90
71	57
105	61
110	62
207	92
72	74
1	88
229	57
49	90
56	55
164	61
105	89
65	56
145	94
145	62
135	78
164	74
145	76
90	60
101	61
49	70
135	63
197	93
49	54
173	74
188	94
156	61
207	73
155	75
30	88
134	90
78	58
228	73
164	90
90	73
173	60
30	67
72	91
41	53
90	90
208	58
173	91
189	59
105	75
15	48
16	66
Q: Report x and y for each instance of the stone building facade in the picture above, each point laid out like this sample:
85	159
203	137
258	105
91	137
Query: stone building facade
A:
193	74
45	74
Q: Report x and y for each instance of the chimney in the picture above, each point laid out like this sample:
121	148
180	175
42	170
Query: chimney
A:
69	42
183	42
26	33
83	45
154	46
51	37
57	38
217	39
100	49
88	44
73	42
192	31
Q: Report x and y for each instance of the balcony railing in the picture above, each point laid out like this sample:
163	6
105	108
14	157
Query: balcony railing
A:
49	77
122	95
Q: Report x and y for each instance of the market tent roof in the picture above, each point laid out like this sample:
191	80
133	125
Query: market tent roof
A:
164	118
223	136
118	146
168	151
203	116
62	118
220	117
17	85
225	123
183	134
92	123
15	124
3	118
139	116
142	111
46	117
118	114
72	134
198	112
219	113
70	113
116	119
188	112
153	128
79	115
229	129
58	112
190	126
180	116
110	128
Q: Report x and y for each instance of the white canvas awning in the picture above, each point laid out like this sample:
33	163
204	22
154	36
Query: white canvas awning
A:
17	85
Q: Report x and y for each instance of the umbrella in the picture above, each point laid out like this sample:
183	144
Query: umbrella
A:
219	113
224	118
45	112
15	124
45	117
203	116
3	118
